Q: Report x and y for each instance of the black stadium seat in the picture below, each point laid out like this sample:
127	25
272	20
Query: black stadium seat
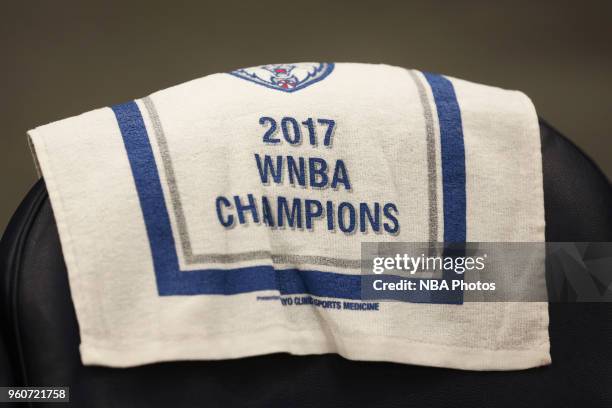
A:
40	336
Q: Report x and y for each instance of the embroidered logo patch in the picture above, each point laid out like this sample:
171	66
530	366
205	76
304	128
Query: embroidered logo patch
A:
286	77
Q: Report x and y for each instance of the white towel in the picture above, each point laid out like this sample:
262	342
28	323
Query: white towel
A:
224	217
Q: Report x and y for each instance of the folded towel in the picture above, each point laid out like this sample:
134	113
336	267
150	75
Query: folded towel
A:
224	217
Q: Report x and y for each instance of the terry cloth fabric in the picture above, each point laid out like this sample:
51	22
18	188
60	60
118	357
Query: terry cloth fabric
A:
223	217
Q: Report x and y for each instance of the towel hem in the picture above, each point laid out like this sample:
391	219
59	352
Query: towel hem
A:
278	340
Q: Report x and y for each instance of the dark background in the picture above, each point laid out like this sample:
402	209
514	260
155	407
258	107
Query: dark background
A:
59	58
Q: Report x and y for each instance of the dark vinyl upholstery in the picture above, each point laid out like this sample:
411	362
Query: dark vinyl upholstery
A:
40	338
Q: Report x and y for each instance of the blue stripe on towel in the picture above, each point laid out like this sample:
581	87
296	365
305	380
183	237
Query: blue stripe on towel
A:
453	176
172	281
148	186
453	157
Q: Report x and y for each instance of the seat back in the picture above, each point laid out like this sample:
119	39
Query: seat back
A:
40	338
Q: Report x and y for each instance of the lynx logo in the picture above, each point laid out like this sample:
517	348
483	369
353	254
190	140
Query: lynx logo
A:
286	77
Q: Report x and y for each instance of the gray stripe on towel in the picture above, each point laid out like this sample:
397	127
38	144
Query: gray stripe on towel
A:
432	167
